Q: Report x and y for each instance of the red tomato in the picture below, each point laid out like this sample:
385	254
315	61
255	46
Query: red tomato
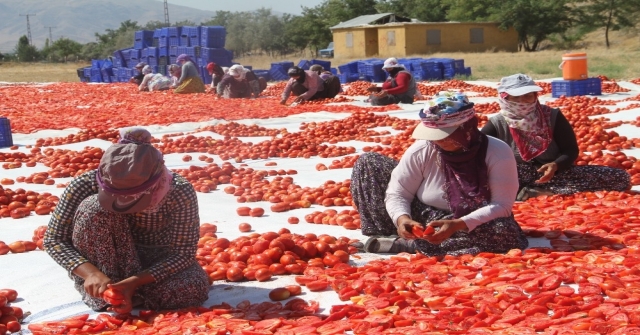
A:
113	297
243	211
263	274
428	230
11	295
234	274
279	294
417	231
317	285
244	227
256	212
294	289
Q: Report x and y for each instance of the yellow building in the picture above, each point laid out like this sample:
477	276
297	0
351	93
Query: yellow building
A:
388	35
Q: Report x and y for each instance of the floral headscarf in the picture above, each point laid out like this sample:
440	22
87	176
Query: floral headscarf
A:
529	124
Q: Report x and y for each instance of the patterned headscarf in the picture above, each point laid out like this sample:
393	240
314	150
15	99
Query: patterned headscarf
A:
135	135
466	175
176	69
529	124
184	57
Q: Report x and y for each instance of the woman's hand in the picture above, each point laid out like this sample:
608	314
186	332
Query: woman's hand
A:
126	288
405	226
548	171
298	99
447	228
381	94
95	283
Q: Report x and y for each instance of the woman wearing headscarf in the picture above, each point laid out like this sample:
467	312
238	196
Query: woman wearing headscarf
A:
234	84
216	72
131	226
545	145
331	83
175	72
305	85
137	78
153	81
190	81
400	86
454	183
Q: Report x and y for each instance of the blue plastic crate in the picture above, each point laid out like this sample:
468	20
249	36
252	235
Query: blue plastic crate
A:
263	73
325	64
209	53
106	72
163	42
172	31
458	64
184	41
143	34
194	41
222	61
304	64
163	61
570	88
94	72
152	52
159	32
467	71
152	61
87	71
277	74
174	41
348	77
334	71
134	55
283	65
163	52
181	50
96	63
191	51
6	139
114	79
212	36
173	51
449	73
172	59
374	69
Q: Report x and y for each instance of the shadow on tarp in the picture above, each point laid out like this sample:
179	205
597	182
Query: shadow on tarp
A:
253	291
573	240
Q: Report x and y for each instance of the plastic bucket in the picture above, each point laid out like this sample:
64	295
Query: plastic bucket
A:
574	66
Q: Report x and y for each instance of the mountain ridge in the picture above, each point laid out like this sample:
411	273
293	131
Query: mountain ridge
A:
79	20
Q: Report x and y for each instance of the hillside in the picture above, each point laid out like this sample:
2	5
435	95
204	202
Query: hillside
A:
79	20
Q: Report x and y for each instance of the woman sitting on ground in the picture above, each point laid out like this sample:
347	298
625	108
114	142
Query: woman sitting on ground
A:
190	81
132	226
453	179
399	87
545	145
153	81
175	71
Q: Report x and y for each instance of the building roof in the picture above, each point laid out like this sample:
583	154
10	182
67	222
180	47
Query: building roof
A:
371	20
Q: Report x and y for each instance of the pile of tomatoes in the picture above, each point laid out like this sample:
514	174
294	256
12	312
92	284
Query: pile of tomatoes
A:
10	316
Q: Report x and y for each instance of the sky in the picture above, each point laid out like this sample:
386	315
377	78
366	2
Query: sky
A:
284	6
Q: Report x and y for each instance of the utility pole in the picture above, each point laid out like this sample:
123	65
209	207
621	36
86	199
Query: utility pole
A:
166	13
50	36
28	27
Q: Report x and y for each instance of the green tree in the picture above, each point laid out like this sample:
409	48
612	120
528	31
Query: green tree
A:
25	51
611	15
423	10
64	47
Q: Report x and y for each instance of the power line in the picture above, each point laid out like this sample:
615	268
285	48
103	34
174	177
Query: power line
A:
28	27
166	13
50	36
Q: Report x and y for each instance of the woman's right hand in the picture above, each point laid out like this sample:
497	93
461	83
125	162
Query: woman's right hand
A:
405	226
96	283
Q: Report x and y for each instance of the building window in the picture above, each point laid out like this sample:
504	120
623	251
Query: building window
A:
477	35
433	36
391	38
349	38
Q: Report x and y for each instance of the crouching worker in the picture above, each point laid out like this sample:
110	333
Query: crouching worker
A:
306	85
332	84
131	226
234	84
400	86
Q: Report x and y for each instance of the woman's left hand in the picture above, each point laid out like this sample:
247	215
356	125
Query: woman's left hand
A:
126	288
447	228
548	171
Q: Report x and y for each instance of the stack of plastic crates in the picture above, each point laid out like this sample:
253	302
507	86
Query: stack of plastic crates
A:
212	36
326	65
219	56
263	73
351	67
373	71
570	88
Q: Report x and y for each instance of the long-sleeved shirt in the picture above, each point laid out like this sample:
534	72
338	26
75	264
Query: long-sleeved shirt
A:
236	88
188	71
175	225
403	79
312	82
418	175
563	149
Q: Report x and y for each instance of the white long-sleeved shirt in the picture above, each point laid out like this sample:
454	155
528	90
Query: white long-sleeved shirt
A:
418	174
